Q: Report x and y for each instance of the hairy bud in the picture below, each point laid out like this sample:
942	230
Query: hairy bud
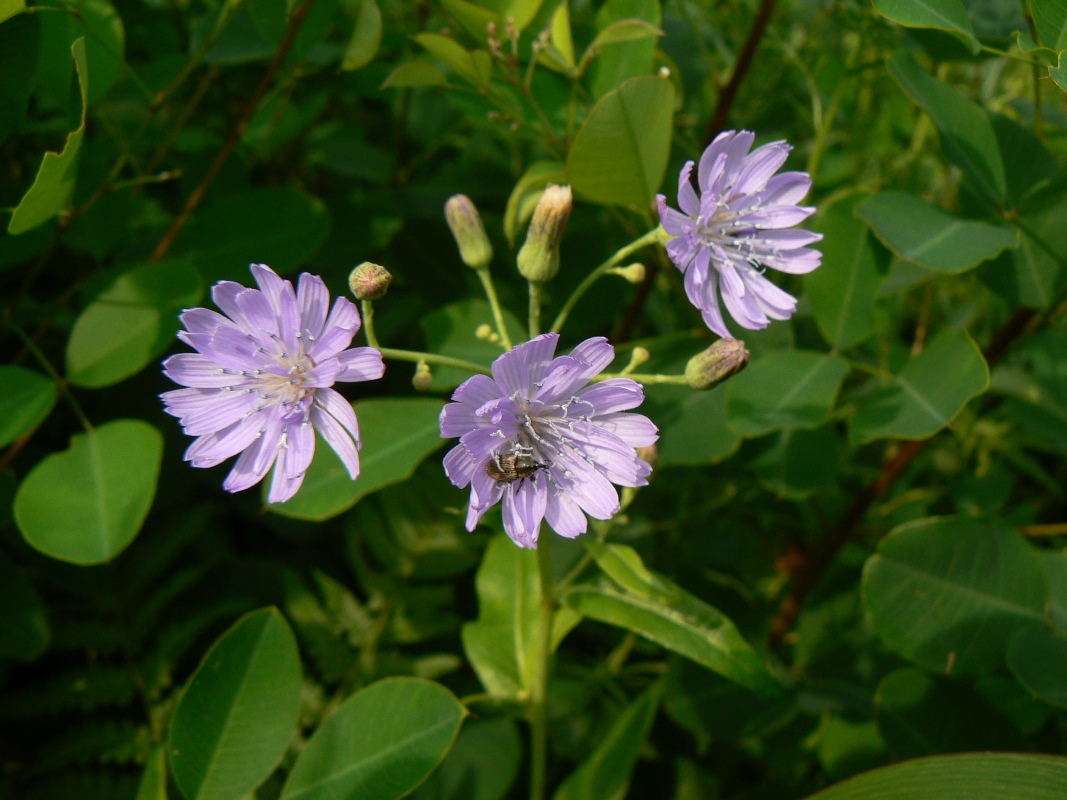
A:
466	224
539	257
369	281
708	369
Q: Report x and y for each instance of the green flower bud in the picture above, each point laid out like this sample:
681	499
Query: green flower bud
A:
467	228
369	281
422	380
634	273
539	257
708	369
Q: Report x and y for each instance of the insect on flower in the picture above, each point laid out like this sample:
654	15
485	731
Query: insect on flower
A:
507	467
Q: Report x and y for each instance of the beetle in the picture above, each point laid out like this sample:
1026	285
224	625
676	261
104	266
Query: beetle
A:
508	467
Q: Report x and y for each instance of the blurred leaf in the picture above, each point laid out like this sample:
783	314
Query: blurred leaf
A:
927	394
381	743
606	773
234	720
105	45
366	38
9	8
20	46
474	19
619	155
658	609
153	785
1050	19
966	132
950	593
996	776
1033	274
562	38
843	290
1055	565
130	323
1038	659
692	425
397	435
415	73
277	226
87	503
24	630
26	400
53	188
921	716
527	192
784	389
482	765
469	65
847	747
801	461
243	31
621	61
625	30
946	15
932	238
1028	164
450	331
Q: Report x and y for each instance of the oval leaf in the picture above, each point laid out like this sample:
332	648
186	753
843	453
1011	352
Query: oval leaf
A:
950	593
235	719
366	37
397	436
927	394
945	15
620	154
991	776
415	73
26	399
87	503
1038	659
379	745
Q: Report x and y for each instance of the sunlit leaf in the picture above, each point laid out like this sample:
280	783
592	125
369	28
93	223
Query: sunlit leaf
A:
9	8
415	73
621	61
1050	19
946	15
366	37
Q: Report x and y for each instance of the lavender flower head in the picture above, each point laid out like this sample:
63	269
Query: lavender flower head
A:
741	221
538	439
259	383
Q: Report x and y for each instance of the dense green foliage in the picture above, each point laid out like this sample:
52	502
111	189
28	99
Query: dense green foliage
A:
850	554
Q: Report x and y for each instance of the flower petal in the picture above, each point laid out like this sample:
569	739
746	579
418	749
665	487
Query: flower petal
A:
614	394
564	515
338	331
337	438
360	364
524	508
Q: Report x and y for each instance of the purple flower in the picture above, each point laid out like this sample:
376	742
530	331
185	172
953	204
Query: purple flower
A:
742	220
536	437
259	383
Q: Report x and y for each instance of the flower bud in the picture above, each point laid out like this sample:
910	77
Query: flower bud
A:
634	273
638	356
539	257
422	380
369	281
708	369
467	228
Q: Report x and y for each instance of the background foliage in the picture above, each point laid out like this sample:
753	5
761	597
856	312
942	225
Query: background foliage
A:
852	554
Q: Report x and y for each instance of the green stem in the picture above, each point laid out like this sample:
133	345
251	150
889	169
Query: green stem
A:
653	236
494	304
674	380
368	323
535	308
538	711
414	356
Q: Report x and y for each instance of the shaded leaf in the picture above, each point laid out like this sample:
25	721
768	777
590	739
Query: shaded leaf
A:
366	38
946	15
415	73
1038	659
450	331
482	764
26	400
24	629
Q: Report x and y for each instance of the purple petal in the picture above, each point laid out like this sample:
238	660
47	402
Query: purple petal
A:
313	298
785	188
459	466
674	222
688	201
283	486
252	465
588	488
337	438
760	165
219	411
340	409
788	239
198	371
517	370
524	508
745	310
457	419
300	449
795	262
204	320
564	515
614	458
360	364
214	448
342	324
614	394
636	430
477	390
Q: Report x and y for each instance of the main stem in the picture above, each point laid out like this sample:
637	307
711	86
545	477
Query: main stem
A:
538	710
535	309
651	237
494	304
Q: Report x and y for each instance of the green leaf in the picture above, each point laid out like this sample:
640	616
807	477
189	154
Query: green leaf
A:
26	400
105	45
235	718
606	773
620	154
130	323
991	776
784	389
800	462
920	715
933	238
1036	657
450	331
625	30
621	61
20	48
692	425
482	765
9	8
413	74
277	226
527	192
86	504
469	65
153	785
1032	275
843	290
1058	72
950	593
366	38
53	188
1055	564
966	132
397	435
473	18
927	394
945	15
658	609
1050	19
379	745
24	630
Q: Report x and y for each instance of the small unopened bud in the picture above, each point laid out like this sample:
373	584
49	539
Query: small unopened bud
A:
369	281
638	356
484	332
422	380
634	273
466	225
708	369
539	257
